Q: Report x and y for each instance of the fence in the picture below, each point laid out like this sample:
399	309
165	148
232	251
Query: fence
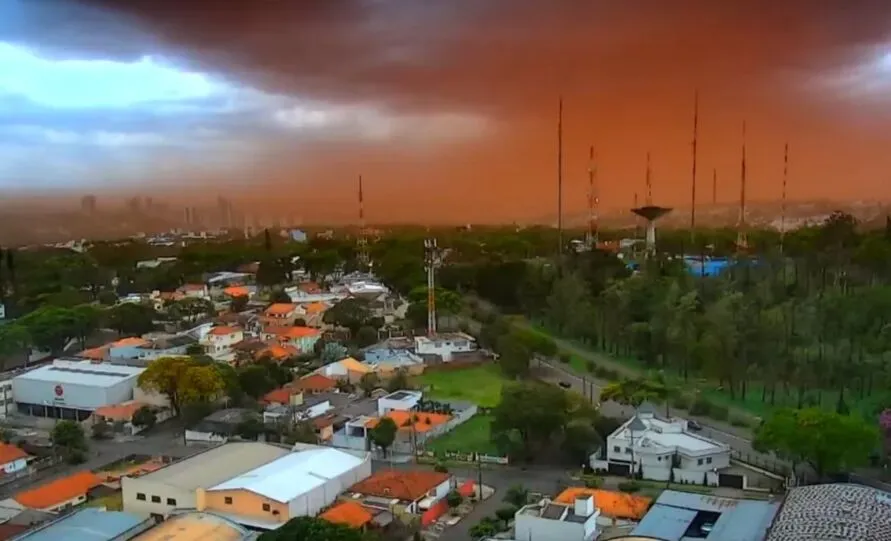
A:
458	364
772	465
470	458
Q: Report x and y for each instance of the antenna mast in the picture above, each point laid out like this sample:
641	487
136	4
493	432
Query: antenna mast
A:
363	241
783	210
742	242
431	253
693	182
593	200
649	182
560	177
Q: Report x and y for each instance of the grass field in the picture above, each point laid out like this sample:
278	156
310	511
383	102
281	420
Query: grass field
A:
479	384
474	436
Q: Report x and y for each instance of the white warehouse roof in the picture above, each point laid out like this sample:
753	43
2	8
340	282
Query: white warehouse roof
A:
81	373
294	474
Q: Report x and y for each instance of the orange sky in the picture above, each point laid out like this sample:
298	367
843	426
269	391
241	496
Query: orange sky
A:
803	71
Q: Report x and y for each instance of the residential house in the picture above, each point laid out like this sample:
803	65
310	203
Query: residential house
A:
415	428
120	416
302	338
194	291
404	400
194	526
277	353
125	348
348	513
445	345
281	314
155	348
312	313
12	458
315	383
665	449
219	340
613	506
218	427
240	291
550	521
301	483
348	369
415	490
387	362
60	494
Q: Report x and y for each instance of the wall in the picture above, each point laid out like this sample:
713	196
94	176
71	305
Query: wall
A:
131	486
15	466
204	437
75	396
245	504
533	527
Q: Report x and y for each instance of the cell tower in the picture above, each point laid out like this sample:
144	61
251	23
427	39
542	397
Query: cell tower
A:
783	208
593	202
693	180
742	241
560	178
362	240
650	212
431	261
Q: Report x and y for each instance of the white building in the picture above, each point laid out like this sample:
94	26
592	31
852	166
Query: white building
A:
73	389
218	342
551	521
663	450
445	345
7	402
399	401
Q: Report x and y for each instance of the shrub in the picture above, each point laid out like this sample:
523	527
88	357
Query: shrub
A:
592	481
681	402
737	420
701	407
565	357
440	468
719	412
629	486
590	366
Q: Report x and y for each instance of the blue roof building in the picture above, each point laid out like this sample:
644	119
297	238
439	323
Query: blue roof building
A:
90	524
680	515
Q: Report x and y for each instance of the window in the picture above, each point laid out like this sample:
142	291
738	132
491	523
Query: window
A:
171	502
617	449
628	450
228	500
266	507
156	499
659	459
140	496
699	462
708	460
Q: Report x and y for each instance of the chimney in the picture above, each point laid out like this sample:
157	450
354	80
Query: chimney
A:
584	506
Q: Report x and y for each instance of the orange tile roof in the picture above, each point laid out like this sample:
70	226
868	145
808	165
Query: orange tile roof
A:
405	419
237	291
408	485
315	307
119	412
294	332
224	330
611	504
280	309
281	395
134	341
316	382
11	453
94	354
349	514
58	491
309	287
277	352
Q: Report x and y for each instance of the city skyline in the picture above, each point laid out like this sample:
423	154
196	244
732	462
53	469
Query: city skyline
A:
446	111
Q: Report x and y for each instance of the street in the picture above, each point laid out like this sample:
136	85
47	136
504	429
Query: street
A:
737	438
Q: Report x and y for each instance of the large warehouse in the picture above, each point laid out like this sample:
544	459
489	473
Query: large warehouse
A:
73	389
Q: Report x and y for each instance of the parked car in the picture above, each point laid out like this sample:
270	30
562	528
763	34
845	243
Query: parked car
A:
565	384
694	426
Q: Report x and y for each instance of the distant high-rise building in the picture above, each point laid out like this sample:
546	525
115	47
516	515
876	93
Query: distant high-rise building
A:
187	216
88	204
134	205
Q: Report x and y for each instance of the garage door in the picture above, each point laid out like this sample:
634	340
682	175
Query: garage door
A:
619	469
730	480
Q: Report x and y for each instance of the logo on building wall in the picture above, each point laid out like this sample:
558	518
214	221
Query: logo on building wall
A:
59	390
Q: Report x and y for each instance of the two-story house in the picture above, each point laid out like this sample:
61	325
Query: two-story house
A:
194	291
281	314
219	341
302	338
662	450
445	345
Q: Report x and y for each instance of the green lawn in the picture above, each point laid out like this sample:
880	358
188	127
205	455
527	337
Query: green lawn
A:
474	436
479	384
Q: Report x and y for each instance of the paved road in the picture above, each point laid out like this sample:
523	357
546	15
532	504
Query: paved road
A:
737	438
548	481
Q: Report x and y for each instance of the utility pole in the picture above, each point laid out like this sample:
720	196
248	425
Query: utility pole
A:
693	180
560	179
431	253
363	241
783	210
742	242
593	201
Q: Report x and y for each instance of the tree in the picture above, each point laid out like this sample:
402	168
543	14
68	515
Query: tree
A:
250	428
384	433
69	437
280	296
369	383
506	514
487	527
351	313
131	318
50	327
255	380
517	496
528	416
317	529
454	499
828	441
365	336
333	352
191	309
145	417
239	303
182	380
580	439
398	381
14	340
514	357
302	432
101	430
